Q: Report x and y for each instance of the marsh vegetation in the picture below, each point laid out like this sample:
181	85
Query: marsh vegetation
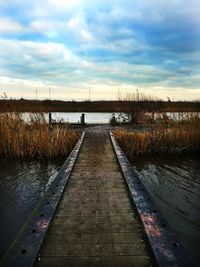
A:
175	134
35	139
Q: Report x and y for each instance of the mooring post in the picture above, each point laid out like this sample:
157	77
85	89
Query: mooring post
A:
83	118
50	118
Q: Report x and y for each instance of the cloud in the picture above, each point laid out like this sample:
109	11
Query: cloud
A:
9	26
144	43
41	26
80	29
86	35
37	61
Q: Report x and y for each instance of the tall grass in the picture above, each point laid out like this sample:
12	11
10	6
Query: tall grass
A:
179	137
36	138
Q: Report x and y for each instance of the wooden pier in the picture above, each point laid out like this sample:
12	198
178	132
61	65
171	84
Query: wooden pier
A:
96	213
96	223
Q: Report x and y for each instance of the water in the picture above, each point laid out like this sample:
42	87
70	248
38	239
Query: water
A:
174	184
74	117
22	184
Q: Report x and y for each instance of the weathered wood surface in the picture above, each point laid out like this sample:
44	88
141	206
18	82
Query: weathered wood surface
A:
95	224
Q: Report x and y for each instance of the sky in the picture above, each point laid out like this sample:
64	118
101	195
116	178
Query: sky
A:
86	49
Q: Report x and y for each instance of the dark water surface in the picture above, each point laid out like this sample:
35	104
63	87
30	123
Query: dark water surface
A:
22	184
174	184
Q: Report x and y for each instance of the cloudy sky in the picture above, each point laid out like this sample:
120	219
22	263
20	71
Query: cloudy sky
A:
102	46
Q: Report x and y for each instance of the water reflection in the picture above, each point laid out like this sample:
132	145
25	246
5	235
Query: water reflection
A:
174	184
22	184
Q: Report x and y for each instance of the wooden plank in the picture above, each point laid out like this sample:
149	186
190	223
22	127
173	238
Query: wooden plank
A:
104	261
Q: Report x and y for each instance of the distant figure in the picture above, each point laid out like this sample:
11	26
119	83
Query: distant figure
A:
168	99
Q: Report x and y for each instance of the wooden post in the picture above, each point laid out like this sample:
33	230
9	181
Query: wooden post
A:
50	118
83	118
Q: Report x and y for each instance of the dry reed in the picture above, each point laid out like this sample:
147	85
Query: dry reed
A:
180	137
35	138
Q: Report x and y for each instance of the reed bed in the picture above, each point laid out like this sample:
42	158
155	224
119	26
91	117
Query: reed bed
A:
180	137
34	138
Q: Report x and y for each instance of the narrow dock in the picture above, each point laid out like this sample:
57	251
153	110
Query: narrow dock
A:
95	223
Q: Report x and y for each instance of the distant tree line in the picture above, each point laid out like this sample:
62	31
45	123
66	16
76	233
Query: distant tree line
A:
121	105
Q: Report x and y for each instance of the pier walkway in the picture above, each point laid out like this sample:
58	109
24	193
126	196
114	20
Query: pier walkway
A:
95	223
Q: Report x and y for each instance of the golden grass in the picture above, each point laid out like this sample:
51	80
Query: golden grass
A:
178	138
35	138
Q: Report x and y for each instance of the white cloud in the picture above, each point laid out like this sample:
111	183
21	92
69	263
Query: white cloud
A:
86	35
13	81
9	26
45	62
78	26
18	48
76	22
40	26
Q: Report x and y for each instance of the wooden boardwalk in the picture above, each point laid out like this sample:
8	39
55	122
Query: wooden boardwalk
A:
95	223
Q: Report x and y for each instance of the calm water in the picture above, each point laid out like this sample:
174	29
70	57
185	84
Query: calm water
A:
22	184
74	117
94	117
174	184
